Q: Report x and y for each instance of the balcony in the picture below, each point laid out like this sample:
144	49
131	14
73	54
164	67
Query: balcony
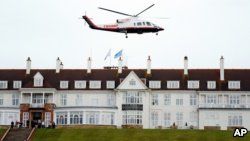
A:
224	106
37	105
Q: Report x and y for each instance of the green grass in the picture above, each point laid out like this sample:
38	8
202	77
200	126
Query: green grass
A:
2	131
134	135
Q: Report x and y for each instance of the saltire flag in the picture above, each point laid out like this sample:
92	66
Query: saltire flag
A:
108	54
118	54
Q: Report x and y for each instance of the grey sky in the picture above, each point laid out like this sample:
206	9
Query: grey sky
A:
201	29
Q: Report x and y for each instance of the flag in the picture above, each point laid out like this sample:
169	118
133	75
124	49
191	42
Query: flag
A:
118	54
108	54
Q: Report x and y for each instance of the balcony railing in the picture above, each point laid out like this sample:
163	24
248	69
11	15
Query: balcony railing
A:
223	106
37	105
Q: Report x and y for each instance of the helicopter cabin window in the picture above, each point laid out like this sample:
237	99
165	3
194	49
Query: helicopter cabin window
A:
148	23
144	23
139	24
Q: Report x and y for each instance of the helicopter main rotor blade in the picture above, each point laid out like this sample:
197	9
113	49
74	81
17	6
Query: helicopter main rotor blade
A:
115	11
144	10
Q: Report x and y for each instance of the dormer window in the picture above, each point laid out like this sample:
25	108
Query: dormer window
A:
80	84
193	84
110	84
173	84
17	84
233	84
155	84
211	84
3	84
38	80
64	84
95	84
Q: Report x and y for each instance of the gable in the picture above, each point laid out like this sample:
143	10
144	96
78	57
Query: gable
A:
132	81
38	75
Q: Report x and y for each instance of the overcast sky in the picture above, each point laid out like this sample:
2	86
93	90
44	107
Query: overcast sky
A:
201	29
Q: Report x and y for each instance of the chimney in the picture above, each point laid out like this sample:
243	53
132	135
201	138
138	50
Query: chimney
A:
222	74
148	66
58	67
28	65
185	65
120	65
61	65
89	65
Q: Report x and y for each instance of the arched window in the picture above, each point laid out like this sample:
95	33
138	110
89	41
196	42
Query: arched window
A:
61	118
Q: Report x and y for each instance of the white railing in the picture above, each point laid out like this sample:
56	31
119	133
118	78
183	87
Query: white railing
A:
223	106
37	105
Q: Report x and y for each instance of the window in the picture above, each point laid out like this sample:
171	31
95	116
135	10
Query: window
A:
179	101
234	99
63	99
211	99
110	84
37	99
139	24
211	84
155	84
92	117
132	118
1	99
108	118
3	84
193	116
80	84
132	97
234	84
144	23
155	100
61	118
167	119
193	84
17	84
38	80
167	99
111	100
173	84
79	100
47	119
193	99
76	117
179	118
25	118
94	84
154	118
148	23
15	99
64	84
132	82
234	120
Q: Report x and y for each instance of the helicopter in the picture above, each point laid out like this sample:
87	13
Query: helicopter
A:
130	25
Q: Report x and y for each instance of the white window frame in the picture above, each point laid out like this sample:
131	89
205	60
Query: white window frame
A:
79	100
193	99
15	99
17	84
63	99
95	84
233	84
132	82
211	85
179	101
132	118
193	84
132	97
179	119
167	119
80	84
155	99
3	84
1	100
154	84
173	84
235	119
64	84
110	84
167	99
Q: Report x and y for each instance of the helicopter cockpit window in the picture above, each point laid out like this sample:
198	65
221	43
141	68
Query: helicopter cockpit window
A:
148	23
144	23
139	24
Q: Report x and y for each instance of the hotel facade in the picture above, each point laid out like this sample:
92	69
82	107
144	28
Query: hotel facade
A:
121	97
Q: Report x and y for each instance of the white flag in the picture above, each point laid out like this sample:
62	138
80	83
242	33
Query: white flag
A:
108	54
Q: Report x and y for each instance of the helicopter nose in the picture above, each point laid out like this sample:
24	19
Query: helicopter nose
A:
161	29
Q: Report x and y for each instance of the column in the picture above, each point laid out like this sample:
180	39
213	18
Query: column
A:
68	118
31	97
53	97
223	100
21	98
43	99
246	102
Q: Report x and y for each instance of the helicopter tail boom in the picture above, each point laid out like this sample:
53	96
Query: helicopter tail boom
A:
90	23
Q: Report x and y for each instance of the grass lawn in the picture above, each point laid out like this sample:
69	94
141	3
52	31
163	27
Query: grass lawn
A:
2	131
134	135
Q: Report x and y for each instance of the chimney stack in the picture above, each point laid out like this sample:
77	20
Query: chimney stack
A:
222	74
61	65
149	66
28	65
185	65
120	65
58	65
89	65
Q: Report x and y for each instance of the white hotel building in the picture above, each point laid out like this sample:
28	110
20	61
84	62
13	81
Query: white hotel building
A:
146	98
